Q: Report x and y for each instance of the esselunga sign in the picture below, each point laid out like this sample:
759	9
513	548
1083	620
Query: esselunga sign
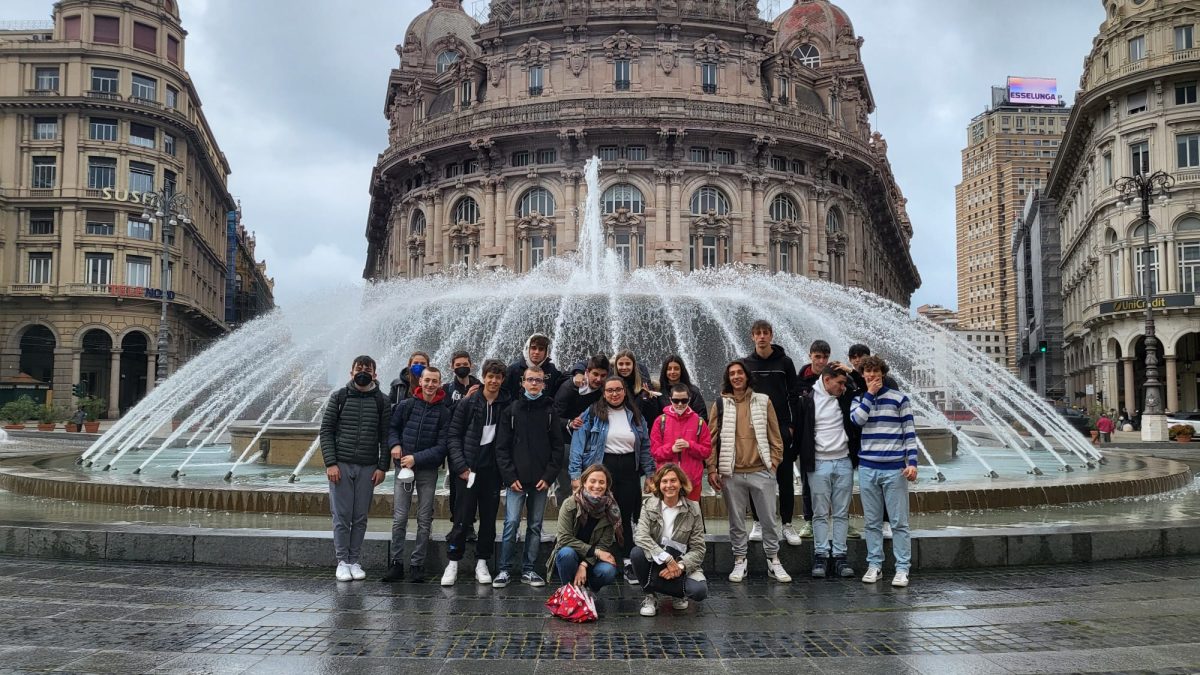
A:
130	196
1156	302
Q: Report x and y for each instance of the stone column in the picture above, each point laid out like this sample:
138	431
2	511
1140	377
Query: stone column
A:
489	212
760	212
1171	284
677	229
434	229
501	230
1130	388
568	238
1172	384
661	209
114	384
151	359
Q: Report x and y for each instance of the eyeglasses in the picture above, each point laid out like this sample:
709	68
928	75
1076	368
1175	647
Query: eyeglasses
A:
614	391
535	380
680	401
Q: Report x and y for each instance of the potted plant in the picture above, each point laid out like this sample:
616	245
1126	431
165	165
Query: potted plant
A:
48	416
1181	433
93	407
17	412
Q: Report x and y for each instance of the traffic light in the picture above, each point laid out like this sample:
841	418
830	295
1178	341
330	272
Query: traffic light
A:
1043	347
79	390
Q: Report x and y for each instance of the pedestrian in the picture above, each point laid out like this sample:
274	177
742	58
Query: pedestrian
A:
823	429
675	372
462	384
529	441
471	446
589	529
648	401
1106	427
670	544
774	375
614	434
353	431
79	418
747	450
681	436
409	379
855	387
887	462
535	353
572	399
417	438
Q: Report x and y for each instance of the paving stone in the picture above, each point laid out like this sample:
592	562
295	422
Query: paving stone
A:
149	547
42	658
115	662
209	664
46	543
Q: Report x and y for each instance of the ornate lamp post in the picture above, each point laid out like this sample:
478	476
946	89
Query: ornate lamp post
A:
1138	190
168	209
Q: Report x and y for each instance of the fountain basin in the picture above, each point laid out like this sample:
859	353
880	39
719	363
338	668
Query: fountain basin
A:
282	444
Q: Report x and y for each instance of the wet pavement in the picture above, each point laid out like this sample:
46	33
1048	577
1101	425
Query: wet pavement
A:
74	616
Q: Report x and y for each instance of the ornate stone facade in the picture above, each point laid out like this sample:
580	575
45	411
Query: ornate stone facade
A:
1136	111
724	139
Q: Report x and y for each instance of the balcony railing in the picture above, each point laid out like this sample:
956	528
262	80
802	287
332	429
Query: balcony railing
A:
710	88
535	91
29	289
41	92
621	85
1146	63
106	95
149	103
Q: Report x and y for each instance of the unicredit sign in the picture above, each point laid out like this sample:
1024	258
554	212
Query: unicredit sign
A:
1033	90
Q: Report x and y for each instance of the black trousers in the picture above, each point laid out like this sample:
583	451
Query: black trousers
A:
627	489
692	588
484	497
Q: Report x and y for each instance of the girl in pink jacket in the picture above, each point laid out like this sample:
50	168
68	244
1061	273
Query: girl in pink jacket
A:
681	436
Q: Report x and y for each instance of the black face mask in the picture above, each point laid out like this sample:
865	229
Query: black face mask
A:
363	379
462	371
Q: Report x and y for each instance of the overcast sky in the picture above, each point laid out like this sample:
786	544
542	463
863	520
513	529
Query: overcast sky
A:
294	91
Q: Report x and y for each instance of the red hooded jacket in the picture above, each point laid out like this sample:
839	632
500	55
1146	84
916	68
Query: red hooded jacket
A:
689	426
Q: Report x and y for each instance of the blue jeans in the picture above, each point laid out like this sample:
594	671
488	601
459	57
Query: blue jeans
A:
877	487
598	576
831	486
534	503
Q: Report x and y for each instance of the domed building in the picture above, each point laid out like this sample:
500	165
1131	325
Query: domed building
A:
724	138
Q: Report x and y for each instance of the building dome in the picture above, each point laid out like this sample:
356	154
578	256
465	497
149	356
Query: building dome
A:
819	18
443	26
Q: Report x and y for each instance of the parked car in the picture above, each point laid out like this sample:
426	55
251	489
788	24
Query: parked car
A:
1080	421
1192	418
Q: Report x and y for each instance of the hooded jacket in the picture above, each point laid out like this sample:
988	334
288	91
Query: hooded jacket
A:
569	403
469	418
806	379
516	371
806	429
455	391
420	427
355	434
775	376
529	441
671	426
399	389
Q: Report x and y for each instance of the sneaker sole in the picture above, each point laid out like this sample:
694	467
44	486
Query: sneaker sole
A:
496	585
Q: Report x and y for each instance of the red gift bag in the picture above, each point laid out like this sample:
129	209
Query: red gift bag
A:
573	604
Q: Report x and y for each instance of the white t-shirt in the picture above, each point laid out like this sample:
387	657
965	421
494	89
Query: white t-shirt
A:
620	437
669	513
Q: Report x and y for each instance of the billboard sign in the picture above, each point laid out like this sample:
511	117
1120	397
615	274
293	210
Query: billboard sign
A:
1033	90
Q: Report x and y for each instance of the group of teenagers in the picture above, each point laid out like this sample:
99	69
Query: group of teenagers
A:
625	461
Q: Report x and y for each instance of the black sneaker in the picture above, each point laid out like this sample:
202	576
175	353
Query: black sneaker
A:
395	572
416	573
842	568
631	576
818	566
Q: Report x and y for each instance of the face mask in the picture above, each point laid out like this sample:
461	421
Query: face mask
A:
533	397
416	369
462	371
363	379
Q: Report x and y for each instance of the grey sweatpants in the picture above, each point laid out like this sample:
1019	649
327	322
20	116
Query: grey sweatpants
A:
350	501
425	484
742	489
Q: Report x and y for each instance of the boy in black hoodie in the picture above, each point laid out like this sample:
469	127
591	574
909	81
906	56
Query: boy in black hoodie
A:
774	374
536	353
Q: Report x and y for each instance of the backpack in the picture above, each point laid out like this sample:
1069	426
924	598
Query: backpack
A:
662	425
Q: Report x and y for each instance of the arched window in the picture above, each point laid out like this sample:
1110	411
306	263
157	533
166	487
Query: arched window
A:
466	211
833	221
623	196
709	198
445	60
536	199
417	225
1139	232
1189	225
783	208
808	55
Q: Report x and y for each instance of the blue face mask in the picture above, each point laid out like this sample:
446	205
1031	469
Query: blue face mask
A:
416	369
533	397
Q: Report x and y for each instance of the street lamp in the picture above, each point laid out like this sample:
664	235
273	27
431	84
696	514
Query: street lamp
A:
1139	190
169	209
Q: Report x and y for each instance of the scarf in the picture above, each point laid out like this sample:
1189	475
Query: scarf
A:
599	508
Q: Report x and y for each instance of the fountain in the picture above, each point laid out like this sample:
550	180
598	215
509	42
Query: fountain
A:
219	414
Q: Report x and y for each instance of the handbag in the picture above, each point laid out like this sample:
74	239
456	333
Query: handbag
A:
572	603
656	584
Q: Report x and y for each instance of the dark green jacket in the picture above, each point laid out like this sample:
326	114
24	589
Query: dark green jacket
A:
688	530
603	537
356	434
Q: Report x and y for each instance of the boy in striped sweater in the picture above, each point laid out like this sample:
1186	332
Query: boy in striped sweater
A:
887	461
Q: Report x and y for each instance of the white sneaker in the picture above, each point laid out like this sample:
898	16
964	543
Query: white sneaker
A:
872	575
451	574
357	573
739	570
482	574
679	604
756	532
775	571
887	530
901	579
343	572
649	605
792	536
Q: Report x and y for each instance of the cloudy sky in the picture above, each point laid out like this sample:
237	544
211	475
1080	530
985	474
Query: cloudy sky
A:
294	92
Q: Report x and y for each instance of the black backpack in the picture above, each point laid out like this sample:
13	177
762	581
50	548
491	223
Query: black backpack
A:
382	402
